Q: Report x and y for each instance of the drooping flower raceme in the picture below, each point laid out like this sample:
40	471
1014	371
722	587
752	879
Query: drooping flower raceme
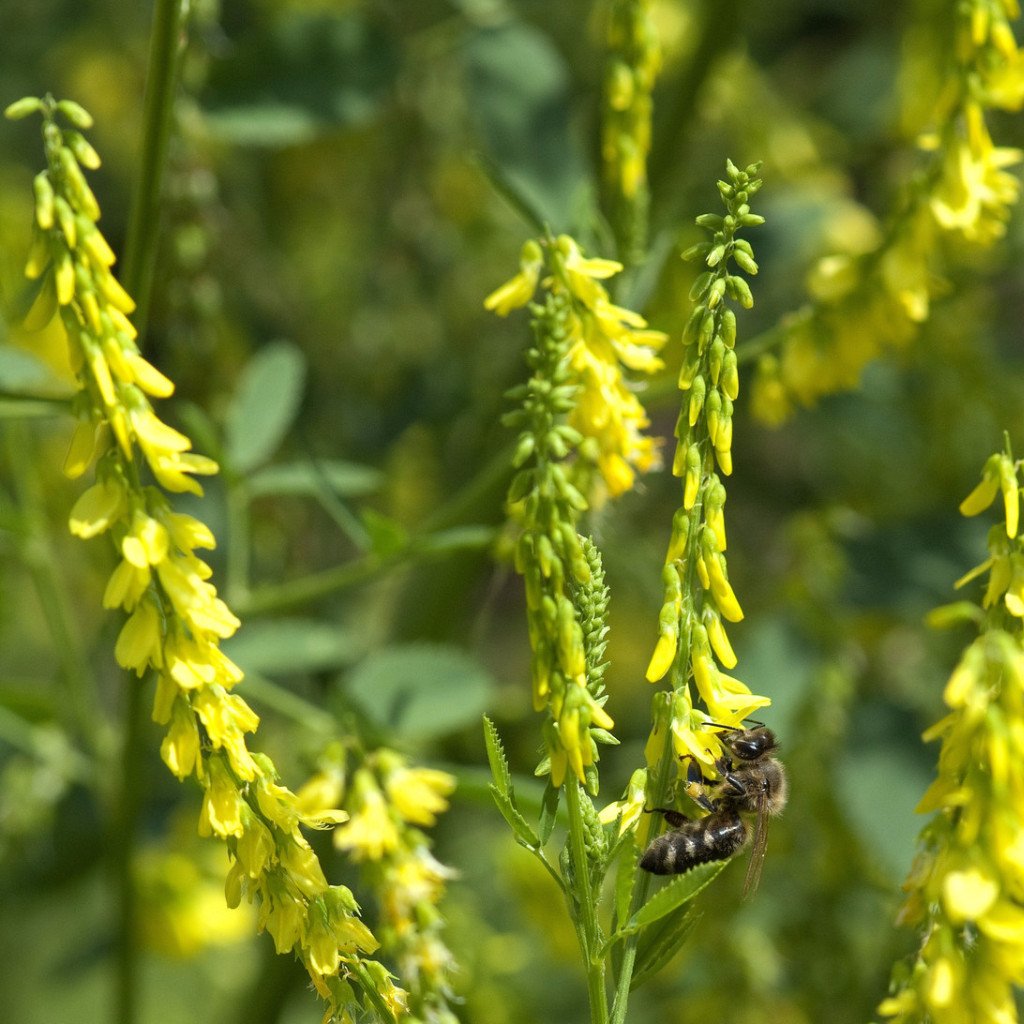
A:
698	598
390	802
864	304
964	890
175	619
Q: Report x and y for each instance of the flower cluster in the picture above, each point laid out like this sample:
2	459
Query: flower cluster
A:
605	341
634	60
390	802
964	890
866	303
175	620
698	595
549	553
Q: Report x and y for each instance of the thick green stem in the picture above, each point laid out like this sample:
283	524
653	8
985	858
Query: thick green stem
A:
586	908
143	225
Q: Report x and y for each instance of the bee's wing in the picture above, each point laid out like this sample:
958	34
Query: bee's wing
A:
757	852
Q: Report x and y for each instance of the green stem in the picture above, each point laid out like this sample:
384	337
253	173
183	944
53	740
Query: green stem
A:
143	224
641	884
586	908
665	769
363	570
122	847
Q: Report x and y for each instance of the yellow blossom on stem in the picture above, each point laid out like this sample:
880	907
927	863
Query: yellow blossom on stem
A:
873	300
175	618
607	341
697	592
963	892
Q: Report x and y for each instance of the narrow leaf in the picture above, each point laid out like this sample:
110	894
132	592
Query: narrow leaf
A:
347	479
675	894
660	943
516	821
497	759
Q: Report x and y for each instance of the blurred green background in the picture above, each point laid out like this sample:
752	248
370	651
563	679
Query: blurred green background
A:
331	228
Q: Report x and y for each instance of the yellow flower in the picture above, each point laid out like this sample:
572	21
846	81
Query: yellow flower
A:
418	794
629	809
519	290
222	803
370	833
98	508
968	895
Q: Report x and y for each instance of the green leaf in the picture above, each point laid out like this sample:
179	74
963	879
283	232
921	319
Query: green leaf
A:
681	890
548	811
421	690
496	758
264	406
519	98
288	646
387	536
296	76
304	479
516	821
660	943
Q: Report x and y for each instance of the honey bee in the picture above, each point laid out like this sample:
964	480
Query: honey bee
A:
751	781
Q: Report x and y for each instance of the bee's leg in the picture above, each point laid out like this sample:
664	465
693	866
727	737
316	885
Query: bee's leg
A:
733	784
674	818
694	788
